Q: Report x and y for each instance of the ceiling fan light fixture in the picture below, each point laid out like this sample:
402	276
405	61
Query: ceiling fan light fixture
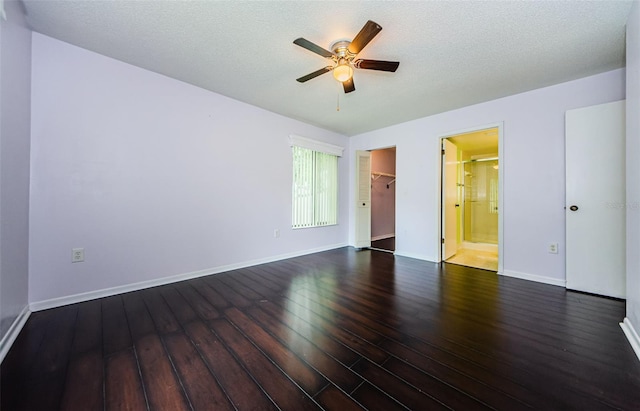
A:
343	71
342	55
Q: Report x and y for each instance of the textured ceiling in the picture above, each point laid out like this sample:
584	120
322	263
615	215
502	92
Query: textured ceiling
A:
452	54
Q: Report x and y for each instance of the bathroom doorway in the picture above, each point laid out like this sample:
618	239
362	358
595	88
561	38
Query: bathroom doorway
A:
383	199
470	199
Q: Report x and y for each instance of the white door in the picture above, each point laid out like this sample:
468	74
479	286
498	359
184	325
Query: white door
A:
363	199
449	199
595	199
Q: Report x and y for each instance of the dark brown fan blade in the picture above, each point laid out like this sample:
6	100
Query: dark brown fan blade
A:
376	65
314	74
366	34
304	43
348	85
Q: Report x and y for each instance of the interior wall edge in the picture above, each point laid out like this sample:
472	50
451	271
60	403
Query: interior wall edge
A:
107	292
15	131
414	256
631	335
14	330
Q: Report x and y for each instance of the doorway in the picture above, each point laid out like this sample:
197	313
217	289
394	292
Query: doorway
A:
383	199
470	199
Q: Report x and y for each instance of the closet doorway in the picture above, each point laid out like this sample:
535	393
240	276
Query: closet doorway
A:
470	199
383	199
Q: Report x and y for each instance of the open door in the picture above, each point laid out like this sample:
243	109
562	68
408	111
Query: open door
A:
449	199
363	199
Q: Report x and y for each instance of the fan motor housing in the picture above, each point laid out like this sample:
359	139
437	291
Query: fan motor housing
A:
341	50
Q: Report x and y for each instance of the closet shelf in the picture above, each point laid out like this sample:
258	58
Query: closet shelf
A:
379	174
376	175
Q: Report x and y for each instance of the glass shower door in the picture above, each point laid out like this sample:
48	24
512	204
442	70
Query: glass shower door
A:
481	201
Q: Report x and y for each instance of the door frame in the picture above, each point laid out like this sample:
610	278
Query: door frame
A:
501	173
395	197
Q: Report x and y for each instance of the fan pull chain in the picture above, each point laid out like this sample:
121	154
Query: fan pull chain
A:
338	107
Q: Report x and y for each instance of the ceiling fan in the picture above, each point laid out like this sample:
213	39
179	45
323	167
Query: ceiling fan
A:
343	54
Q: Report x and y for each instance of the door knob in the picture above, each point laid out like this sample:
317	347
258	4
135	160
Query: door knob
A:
573	208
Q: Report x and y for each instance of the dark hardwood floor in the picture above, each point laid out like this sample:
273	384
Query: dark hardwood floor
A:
338	330
388	244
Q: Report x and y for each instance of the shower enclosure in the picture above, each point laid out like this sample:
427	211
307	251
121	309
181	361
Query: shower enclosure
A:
480	206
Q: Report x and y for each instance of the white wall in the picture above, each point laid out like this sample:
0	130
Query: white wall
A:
633	170
533	163
15	77
154	177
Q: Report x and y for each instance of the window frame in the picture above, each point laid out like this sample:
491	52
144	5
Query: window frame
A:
317	151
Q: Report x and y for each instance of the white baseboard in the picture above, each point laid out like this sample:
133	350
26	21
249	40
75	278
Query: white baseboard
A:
13	331
107	292
534	277
631	335
383	237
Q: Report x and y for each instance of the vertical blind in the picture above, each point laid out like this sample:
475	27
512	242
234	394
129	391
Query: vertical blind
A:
315	188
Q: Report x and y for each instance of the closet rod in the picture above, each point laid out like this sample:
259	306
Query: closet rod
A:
377	173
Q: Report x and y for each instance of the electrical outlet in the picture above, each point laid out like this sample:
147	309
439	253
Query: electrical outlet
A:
553	248
276	233
77	255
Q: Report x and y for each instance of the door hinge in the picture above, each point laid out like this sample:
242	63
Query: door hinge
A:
443	241
443	151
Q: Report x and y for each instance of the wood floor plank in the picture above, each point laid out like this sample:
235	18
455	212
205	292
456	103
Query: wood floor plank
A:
238	287
243	391
318	336
331	398
284	392
123	387
580	374
45	393
263	279
83	385
161	313
40	385
201	387
14	371
306	377
140	322
402	392
181	309
338	373
375	399
163	389
115	327
346	337
235	298
210	294
264	289
479	383
435	388
201	306
88	328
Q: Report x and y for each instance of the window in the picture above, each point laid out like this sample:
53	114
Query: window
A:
315	183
